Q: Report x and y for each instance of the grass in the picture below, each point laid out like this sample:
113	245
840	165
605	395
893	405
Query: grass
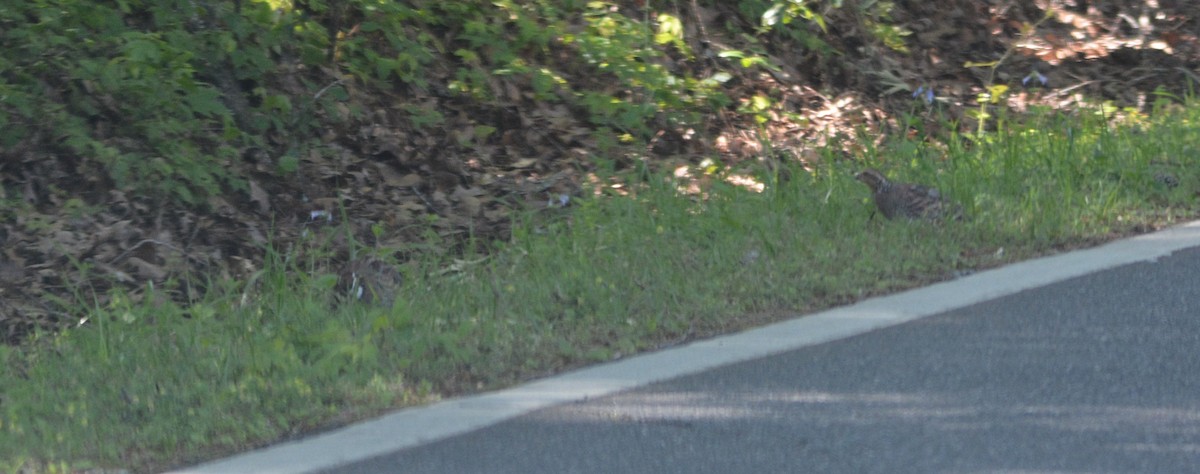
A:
151	385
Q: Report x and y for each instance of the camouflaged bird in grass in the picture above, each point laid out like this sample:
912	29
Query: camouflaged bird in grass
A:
369	280
909	201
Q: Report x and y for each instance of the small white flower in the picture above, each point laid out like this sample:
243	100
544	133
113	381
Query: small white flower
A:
314	215
559	201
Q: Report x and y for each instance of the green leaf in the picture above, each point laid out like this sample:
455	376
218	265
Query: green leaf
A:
143	51
670	30
289	163
207	101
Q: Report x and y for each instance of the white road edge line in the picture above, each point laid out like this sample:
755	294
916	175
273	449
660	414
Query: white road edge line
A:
419	425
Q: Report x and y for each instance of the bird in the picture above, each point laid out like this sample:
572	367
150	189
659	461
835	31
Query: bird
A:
1166	179
369	280
909	201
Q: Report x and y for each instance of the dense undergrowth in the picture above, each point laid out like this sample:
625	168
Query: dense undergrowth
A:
165	98
157	141
183	183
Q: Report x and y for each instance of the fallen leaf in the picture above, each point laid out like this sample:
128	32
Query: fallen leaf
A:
524	163
408	180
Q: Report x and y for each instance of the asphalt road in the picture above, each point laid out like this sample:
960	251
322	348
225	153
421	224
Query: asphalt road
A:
1082	362
1100	373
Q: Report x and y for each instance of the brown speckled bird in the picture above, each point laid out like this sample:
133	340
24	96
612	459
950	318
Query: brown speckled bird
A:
369	280
910	201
